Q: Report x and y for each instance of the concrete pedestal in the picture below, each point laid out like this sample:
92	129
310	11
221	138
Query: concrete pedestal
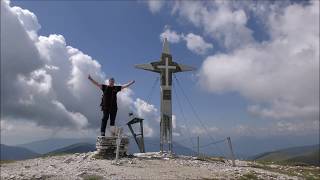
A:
107	146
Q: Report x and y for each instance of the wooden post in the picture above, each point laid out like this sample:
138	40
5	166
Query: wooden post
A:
231	151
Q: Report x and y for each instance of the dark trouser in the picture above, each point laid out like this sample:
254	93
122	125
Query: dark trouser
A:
106	113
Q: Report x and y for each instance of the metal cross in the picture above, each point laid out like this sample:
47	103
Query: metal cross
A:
166	104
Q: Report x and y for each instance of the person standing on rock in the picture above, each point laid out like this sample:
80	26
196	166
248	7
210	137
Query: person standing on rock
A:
109	102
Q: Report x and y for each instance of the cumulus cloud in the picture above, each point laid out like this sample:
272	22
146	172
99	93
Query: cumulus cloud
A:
281	75
194	43
150	114
155	5
171	35
28	20
32	91
77	118
217	19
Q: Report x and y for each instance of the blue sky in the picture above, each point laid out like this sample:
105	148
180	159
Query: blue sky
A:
225	88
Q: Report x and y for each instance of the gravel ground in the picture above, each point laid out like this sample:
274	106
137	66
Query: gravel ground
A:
141	166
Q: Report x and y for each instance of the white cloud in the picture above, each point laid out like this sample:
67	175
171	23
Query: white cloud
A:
174	122
280	128
281	75
196	44
155	5
28	20
218	19
77	118
285	110
171	35
19	131
38	81
29	87
196	130
150	115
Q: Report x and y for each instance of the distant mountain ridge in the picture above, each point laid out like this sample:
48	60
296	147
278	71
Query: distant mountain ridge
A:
304	155
48	145
61	146
150	145
16	153
75	148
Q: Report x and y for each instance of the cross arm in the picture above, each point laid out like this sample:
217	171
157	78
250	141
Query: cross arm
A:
148	67
182	67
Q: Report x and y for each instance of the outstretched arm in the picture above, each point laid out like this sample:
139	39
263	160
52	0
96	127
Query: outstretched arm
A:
127	85
94	82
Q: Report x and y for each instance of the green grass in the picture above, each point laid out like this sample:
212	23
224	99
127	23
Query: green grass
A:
311	158
307	172
275	157
210	158
7	161
296	156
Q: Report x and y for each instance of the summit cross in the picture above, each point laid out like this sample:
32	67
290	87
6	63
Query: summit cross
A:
165	67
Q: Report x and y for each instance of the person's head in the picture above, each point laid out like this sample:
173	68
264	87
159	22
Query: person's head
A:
111	81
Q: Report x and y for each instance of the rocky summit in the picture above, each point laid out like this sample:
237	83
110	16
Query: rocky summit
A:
143	166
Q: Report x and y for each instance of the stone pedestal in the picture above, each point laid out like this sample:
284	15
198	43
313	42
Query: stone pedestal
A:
107	146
